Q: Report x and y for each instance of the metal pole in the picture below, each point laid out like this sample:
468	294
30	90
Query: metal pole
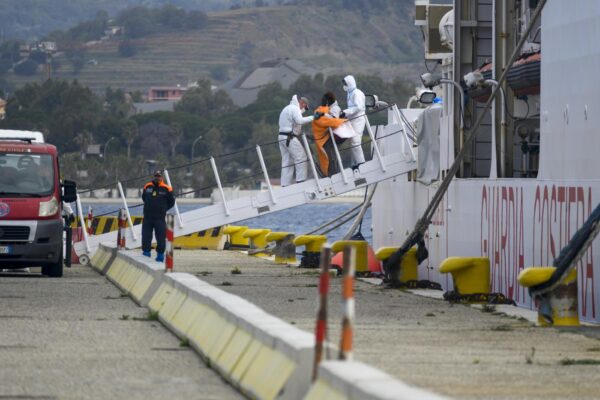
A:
349	266
120	187
338	156
410	101
266	173
214	168
321	327
176	207
106	147
494	82
194	146
461	136
170	238
375	146
85	234
312	163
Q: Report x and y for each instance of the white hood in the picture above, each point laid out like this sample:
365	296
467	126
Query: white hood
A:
350	82
295	101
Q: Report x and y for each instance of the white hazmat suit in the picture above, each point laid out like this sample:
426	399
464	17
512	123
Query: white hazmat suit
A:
354	112
293	155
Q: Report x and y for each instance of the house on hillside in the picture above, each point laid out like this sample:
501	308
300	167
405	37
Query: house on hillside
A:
2	109
166	93
244	88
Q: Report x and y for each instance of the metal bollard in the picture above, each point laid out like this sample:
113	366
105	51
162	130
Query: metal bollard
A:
122	229
90	218
348	297
321	328
170	238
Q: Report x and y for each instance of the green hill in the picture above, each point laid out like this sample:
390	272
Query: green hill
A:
381	42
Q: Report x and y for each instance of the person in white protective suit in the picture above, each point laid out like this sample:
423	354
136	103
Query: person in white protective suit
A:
355	113
293	155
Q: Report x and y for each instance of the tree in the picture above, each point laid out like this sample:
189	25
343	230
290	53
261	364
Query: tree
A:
130	133
127	49
26	68
83	139
175	136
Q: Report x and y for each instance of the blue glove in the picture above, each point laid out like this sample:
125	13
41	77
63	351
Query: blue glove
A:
317	115
342	115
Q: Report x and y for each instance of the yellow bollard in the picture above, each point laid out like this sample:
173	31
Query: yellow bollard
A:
236	239
361	246
408	266
311	256
285	251
258	241
471	275
558	307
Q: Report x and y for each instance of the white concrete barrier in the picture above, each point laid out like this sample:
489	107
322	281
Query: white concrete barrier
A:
353	380
262	356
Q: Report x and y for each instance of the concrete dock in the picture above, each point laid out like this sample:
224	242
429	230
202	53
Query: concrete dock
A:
78	338
455	350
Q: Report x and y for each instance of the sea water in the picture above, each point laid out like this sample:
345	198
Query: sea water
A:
297	220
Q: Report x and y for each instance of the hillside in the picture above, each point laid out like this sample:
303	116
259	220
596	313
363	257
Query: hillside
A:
33	19
381	43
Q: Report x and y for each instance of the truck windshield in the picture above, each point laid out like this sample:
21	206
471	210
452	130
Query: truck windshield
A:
26	174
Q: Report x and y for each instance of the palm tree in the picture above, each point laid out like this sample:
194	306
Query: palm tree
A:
175	135
130	133
83	139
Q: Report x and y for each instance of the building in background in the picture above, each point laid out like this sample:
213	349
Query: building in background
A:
244	88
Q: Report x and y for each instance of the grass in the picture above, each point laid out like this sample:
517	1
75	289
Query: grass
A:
204	273
226	283
184	343
594	349
236	271
124	317
150	316
582	361
429	314
488	308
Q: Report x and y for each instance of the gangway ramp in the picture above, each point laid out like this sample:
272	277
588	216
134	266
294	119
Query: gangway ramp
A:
398	159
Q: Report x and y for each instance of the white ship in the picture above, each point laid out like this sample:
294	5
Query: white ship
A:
532	175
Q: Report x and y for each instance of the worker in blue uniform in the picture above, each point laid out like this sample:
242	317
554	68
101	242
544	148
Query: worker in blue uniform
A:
158	199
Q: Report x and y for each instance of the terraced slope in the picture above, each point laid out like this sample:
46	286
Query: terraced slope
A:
381	43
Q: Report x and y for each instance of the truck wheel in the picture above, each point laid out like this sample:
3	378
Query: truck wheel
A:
84	259
54	270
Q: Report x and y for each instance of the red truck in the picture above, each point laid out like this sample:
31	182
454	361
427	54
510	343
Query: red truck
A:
31	205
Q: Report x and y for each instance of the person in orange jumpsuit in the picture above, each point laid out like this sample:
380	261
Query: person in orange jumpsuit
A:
320	127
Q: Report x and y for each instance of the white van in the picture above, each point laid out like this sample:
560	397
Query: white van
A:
36	137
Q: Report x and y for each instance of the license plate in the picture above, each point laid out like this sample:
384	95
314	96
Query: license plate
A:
5	250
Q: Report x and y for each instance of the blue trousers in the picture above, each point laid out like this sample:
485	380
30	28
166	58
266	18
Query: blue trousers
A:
159	227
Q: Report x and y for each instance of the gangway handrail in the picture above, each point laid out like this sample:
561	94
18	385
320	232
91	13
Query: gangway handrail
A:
175	206
266	174
129	220
338	156
271	170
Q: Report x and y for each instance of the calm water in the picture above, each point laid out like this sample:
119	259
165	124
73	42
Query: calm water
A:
298	220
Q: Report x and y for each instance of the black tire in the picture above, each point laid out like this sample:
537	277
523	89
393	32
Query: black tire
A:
54	270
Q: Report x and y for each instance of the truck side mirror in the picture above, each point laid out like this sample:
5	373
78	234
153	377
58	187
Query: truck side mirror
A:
69	189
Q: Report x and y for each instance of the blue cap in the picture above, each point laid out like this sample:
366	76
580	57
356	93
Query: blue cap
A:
437	100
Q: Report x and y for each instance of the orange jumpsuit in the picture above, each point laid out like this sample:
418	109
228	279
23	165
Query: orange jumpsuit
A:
320	128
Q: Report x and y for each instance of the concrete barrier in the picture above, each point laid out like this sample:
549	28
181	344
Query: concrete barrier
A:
262	356
352	380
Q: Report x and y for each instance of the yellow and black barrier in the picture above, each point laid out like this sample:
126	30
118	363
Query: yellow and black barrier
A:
210	239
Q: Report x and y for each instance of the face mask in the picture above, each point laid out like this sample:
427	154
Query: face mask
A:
345	88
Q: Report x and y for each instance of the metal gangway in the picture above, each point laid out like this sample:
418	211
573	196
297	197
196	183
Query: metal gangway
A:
392	156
